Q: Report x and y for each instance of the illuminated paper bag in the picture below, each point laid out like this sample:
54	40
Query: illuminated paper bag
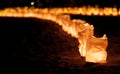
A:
96	50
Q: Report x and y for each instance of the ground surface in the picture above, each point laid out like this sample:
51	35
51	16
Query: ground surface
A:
32	45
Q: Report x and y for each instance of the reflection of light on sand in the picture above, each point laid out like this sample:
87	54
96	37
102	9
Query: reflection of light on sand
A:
113	51
114	60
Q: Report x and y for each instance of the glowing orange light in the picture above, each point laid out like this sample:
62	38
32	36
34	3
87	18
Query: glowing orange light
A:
90	11
90	47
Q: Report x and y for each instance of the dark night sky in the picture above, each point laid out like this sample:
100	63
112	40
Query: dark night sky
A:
59	3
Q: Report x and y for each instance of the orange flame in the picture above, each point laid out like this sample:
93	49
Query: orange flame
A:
90	47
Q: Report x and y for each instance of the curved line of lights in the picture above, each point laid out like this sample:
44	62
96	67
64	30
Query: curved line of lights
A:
90	47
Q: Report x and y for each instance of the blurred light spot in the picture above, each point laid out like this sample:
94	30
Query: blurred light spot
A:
32	3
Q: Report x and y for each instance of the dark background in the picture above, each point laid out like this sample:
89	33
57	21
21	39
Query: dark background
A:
59	3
